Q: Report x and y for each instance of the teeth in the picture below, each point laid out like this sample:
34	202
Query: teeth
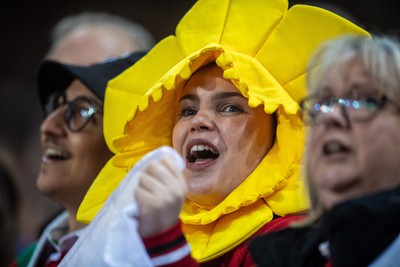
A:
334	147
196	148
51	152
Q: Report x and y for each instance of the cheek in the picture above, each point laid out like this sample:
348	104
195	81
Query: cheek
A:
313	140
177	136
313	145
379	148
263	136
241	139
253	140
93	149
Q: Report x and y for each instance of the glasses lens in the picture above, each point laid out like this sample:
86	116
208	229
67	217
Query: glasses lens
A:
311	110
55	100
79	113
362	107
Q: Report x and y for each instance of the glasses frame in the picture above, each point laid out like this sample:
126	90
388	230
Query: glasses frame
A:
59	99
344	103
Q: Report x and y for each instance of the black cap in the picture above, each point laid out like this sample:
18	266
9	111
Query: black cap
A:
54	76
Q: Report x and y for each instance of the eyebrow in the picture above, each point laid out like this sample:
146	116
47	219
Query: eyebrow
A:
94	100
97	102
217	96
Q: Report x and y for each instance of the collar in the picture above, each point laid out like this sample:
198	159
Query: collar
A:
59	237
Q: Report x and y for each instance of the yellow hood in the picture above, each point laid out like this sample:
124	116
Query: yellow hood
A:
263	49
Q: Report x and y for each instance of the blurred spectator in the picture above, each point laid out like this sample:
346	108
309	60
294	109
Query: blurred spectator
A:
82	39
73	147
89	37
352	161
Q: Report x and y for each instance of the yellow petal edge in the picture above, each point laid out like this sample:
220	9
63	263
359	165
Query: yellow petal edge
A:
263	49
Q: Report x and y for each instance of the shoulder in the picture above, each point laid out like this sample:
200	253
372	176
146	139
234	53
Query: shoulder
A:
277	235
277	246
278	224
279	238
241	254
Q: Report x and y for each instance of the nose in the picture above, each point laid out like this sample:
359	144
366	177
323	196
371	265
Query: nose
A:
54	124
337	117
202	121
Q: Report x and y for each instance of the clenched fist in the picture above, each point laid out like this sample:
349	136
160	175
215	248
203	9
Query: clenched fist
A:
160	194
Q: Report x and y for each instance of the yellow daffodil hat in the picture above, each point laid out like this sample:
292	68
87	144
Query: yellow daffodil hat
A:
263	48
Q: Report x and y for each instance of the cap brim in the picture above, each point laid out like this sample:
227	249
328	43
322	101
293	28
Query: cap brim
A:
54	76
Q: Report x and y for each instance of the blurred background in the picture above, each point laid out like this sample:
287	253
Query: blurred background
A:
24	40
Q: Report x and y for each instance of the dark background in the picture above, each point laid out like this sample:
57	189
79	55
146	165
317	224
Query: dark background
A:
24	39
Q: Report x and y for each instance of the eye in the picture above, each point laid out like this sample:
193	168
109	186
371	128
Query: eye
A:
324	101
55	101
367	102
231	108
371	100
86	112
82	108
186	112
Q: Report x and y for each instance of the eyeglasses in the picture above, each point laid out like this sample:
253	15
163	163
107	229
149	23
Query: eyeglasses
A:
79	111
359	107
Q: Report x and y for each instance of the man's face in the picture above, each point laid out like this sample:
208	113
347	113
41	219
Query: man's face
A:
71	160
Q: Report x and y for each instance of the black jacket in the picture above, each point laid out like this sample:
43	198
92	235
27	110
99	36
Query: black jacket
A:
357	231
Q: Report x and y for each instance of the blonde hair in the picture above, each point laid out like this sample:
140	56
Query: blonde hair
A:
380	57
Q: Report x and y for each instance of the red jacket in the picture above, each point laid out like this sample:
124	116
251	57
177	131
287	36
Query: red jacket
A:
170	248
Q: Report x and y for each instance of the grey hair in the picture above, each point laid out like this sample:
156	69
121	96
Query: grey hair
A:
139	34
380	57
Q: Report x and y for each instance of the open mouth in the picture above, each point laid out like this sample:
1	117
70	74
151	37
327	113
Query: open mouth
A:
201	153
55	154
335	147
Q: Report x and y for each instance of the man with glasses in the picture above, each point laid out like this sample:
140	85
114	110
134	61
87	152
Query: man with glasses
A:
73	146
80	39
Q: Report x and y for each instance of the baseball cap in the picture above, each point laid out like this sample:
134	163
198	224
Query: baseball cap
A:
54	76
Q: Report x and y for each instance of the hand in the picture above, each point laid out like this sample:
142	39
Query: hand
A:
160	194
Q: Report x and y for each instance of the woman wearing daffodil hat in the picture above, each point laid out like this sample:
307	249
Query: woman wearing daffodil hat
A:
224	93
